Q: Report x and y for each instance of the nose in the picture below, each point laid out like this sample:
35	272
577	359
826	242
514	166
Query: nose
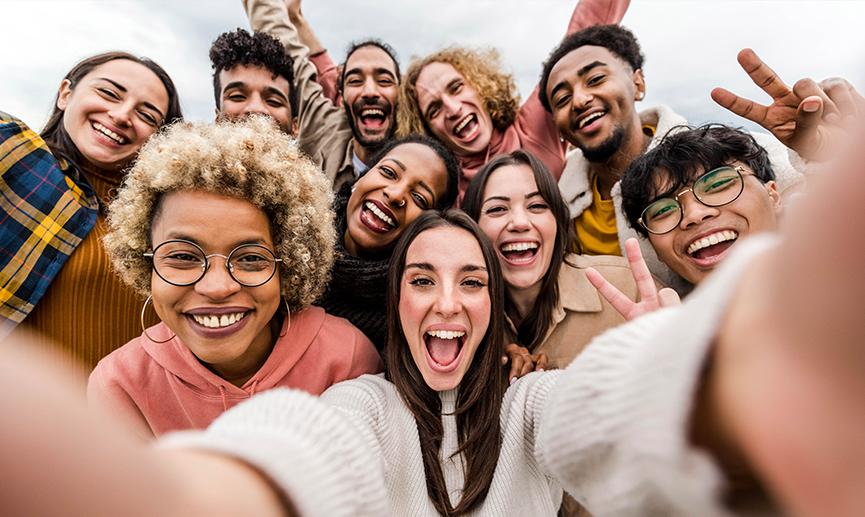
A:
693	211
121	114
370	88
580	99
450	106
396	194
518	220
255	105
448	302
217	283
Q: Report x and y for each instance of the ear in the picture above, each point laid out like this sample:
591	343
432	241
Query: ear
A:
294	126
774	195
63	94
639	85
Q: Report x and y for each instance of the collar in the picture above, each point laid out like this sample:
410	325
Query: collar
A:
357	164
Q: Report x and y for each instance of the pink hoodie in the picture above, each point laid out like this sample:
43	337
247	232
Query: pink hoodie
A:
163	387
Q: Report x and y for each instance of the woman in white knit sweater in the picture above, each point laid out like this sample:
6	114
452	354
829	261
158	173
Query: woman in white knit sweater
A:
777	384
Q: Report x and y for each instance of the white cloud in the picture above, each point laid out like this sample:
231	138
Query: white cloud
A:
690	45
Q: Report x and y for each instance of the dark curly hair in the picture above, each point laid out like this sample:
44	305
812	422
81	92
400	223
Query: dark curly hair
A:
680	156
239	47
615	38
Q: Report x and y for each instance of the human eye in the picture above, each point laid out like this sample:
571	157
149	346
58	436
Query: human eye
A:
236	97
148	118
180	259
538	206
353	81
596	79
421	201
108	92
562	100
421	281
251	261
661	209
387	172
474	283
275	102
385	81
717	181
457	87
495	210
432	111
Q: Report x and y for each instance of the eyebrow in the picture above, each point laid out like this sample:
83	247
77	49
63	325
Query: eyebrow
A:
506	198
426	266
580	73
187	237
269	89
375	71
124	90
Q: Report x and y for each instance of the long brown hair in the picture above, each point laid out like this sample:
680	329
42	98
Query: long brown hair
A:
55	134
531	329
480	392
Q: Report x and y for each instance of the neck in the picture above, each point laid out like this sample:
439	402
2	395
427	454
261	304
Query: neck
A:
239	371
364	153
522	301
613	168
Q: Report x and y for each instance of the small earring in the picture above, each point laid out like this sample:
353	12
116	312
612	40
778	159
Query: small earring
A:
144	328
287	315
640	96
353	188
401	203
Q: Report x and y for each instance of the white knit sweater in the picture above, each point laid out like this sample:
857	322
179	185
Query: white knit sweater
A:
612	429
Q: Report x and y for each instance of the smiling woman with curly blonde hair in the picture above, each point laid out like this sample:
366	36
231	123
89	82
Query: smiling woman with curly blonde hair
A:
462	97
228	229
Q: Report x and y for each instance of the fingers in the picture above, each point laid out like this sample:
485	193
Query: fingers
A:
668	297
761	74
541	361
741	106
844	96
617	299
805	88
521	361
640	271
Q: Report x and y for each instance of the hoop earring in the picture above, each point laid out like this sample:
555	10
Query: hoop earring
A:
144	328
287	315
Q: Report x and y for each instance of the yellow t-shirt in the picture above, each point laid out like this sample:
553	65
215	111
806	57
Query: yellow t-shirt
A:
596	226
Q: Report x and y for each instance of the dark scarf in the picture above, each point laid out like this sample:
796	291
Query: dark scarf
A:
358	286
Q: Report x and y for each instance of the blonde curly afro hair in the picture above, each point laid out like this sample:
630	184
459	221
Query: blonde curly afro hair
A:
481	68
250	160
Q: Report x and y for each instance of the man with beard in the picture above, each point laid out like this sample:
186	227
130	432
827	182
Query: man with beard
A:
591	83
341	141
252	75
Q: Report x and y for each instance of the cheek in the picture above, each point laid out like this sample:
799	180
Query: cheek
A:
490	227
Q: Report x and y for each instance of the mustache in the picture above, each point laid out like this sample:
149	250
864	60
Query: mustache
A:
382	104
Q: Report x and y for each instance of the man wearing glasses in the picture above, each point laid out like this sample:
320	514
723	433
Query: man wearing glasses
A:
591	83
699	192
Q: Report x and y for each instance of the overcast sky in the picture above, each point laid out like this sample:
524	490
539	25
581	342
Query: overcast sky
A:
690	46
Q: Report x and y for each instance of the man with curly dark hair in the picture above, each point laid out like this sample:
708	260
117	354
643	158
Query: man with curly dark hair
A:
591	83
252	74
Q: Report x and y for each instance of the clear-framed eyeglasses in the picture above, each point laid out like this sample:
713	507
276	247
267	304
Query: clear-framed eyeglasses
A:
181	262
718	187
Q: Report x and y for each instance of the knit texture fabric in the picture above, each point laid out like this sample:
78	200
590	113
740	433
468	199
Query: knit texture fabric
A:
612	428
357	288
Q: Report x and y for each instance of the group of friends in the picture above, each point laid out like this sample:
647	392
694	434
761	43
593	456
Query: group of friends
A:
484	307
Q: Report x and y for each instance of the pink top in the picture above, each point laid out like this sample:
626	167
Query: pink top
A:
163	387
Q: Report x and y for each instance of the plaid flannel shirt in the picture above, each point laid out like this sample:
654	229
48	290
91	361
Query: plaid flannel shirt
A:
44	216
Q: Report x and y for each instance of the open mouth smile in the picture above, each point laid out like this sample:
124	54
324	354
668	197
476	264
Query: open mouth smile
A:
520	252
709	249
119	139
373	117
467	128
444	348
217	322
377	217
587	121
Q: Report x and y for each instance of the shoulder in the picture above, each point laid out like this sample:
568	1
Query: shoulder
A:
614	268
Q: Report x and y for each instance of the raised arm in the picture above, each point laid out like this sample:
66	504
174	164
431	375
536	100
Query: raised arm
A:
328	74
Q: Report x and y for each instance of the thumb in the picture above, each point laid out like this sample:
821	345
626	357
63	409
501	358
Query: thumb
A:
668	297
809	117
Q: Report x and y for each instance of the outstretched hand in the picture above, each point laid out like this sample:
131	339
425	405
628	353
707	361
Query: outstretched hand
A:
806	118
522	361
651	299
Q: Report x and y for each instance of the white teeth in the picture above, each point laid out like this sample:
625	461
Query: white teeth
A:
463	123
709	240
215	322
110	134
590	118
446	334
372	111
520	246
378	213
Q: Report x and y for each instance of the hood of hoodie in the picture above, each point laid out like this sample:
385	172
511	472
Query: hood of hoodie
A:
185	368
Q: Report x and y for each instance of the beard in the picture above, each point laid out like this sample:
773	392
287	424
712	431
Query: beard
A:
372	143
605	149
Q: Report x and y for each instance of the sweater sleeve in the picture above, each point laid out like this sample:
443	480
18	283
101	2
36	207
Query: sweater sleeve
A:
318	118
328	74
615	430
534	124
323	453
